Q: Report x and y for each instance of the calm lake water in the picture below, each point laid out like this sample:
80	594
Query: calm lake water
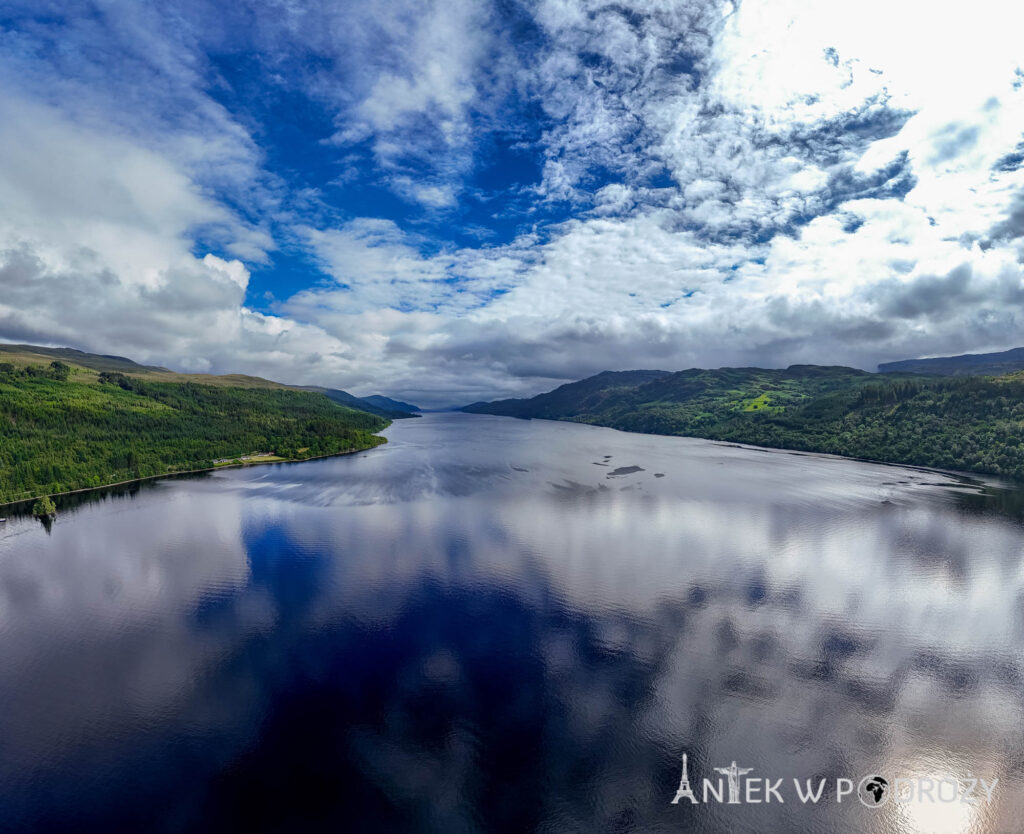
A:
501	625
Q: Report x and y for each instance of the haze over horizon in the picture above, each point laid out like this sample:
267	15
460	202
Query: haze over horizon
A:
460	201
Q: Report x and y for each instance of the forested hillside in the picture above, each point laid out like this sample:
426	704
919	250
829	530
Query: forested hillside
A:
64	427
973	424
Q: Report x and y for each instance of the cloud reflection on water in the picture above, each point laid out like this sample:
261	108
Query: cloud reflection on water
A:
443	634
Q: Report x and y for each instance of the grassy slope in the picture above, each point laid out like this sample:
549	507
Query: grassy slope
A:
967	423
37	355
58	436
87	367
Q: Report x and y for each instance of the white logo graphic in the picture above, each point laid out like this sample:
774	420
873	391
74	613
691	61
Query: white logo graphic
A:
734	773
684	787
873	790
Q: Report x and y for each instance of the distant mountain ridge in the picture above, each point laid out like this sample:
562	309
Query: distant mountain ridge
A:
365	403
967	364
389	404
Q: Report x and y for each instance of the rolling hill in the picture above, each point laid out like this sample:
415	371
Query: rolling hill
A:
967	423
27	354
71	420
23	355
569	399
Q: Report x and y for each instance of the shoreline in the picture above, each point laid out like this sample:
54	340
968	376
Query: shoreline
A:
975	479
177	473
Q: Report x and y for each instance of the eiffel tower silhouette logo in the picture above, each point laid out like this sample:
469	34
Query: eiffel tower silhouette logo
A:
684	789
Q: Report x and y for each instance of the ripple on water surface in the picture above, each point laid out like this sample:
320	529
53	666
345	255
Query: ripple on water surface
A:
477	628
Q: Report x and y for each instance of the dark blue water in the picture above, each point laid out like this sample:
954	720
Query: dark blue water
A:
499	625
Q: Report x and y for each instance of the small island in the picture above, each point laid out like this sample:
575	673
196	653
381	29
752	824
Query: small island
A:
44	508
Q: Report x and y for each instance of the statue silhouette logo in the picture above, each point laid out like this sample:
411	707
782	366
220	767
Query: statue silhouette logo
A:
733	774
873	791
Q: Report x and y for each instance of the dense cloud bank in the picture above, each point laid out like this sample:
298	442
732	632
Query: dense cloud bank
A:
711	184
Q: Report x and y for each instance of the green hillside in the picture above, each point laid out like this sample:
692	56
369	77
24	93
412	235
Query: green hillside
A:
973	424
572	399
66	427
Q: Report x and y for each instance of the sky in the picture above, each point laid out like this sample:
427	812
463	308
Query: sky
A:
462	200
